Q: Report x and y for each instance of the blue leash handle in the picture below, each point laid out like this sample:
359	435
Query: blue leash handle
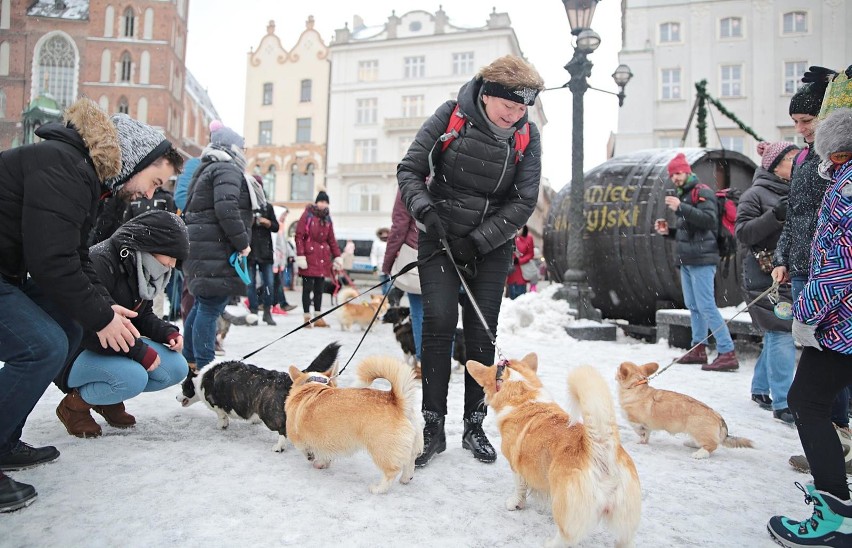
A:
240	264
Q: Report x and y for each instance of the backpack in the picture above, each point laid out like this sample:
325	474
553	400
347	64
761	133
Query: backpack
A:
726	218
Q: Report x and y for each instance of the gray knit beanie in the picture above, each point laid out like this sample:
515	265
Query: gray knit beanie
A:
224	136
834	134
140	146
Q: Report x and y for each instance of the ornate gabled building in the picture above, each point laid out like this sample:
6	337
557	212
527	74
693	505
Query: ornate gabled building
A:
286	114
126	56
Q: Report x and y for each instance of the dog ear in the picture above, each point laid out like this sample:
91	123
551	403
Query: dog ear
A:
295	374
483	375
623	371
531	361
649	368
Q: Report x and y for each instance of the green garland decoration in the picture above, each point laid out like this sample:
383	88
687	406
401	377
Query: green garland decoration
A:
701	89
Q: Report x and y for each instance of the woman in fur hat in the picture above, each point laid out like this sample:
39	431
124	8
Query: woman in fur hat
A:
823	326
134	265
481	190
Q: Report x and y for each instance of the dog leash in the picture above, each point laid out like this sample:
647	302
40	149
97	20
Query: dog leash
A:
774	298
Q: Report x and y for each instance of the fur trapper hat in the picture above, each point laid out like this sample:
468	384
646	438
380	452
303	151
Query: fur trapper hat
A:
834	134
140	145
511	77
771	154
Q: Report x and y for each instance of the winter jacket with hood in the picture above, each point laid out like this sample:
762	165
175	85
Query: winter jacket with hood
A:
758	229
261	237
807	189
115	264
524	253
478	189
218	219
48	199
695	232
316	242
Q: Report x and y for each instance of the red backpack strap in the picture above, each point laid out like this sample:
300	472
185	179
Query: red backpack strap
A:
695	190
522	139
454	126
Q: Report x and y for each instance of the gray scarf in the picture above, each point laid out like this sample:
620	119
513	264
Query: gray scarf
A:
499	132
152	275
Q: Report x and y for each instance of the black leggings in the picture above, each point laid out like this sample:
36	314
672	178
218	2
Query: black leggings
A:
315	284
440	285
819	377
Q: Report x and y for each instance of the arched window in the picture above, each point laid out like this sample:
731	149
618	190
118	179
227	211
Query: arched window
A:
148	31
142	110
364	197
2	104
129	23
126	67
5	15
302	183
103	102
123	105
269	183
57	69
109	21
144	67
106	61
4	58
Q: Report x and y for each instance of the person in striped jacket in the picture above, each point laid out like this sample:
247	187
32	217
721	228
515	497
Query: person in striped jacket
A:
823	326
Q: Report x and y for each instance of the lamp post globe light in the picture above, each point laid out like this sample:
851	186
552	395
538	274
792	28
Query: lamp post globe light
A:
577	290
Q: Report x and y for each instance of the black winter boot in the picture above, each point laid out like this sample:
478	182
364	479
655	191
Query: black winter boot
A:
474	438
434	439
14	495
267	316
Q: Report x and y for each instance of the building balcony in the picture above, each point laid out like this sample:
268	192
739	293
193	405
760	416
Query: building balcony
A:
368	169
409	124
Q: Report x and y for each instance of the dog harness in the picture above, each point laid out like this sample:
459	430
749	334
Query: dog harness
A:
501	366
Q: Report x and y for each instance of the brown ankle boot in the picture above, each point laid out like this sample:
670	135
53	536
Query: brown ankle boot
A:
696	355
73	411
725	361
115	415
320	322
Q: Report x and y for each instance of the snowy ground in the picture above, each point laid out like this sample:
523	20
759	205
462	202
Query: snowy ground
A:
176	479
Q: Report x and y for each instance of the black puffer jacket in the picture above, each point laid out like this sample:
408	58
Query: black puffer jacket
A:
806	191
261	237
758	229
478	190
218	219
48	198
696	225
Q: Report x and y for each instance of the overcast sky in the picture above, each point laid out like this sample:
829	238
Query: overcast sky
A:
221	33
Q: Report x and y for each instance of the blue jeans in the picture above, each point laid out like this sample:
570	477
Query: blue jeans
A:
105	380
384	278
775	367
266	285
516	290
415	306
199	329
699	297
36	338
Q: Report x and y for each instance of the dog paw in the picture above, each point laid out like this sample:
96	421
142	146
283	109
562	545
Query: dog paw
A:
691	444
701	454
321	464
514	503
379	489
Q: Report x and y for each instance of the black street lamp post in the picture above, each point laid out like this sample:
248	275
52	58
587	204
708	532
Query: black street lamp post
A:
580	12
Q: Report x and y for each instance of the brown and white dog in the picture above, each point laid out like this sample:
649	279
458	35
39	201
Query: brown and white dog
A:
326	422
648	409
360	313
581	467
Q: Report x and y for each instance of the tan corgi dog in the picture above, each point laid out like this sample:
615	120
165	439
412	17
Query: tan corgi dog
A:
581	467
648	409
360	313
326	422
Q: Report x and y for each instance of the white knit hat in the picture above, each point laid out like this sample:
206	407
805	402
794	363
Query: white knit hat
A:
140	146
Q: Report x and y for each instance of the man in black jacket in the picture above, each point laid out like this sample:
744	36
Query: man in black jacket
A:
262	258
48	196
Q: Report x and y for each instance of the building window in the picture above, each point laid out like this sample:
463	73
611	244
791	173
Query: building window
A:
668	142
264	134
368	71
126	67
793	72
129	22
404	144
56	75
269	183
2	104
670	84
305	91
463	63
735	143
267	93
415	67
4	58
123	106
302	184
794	138
366	111
731	27
795	22
303	130
669	32
412	106
364	197
732	81
365	151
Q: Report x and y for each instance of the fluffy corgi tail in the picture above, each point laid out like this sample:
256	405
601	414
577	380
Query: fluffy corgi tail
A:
346	293
400	376
589	397
734	441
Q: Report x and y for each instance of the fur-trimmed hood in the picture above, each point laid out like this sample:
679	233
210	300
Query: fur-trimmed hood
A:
834	133
99	135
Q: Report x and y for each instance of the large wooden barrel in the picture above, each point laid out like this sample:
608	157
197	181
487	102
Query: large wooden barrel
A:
630	268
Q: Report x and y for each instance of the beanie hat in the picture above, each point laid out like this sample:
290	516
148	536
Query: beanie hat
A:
322	197
678	164
523	95
155	231
834	133
224	136
140	144
772	153
808	99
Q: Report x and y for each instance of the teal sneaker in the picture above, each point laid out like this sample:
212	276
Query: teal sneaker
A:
830	525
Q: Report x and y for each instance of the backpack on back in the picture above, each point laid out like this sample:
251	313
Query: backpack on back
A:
726	218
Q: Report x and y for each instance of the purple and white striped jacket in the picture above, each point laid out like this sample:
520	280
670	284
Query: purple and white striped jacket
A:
826	300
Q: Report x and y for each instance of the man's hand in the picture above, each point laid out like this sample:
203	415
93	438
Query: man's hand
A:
672	202
119	334
780	275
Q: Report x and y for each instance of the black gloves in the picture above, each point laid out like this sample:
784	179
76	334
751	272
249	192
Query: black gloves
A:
818	74
463	251
434	225
780	210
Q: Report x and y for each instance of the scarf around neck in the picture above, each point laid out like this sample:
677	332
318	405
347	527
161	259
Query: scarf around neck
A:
152	276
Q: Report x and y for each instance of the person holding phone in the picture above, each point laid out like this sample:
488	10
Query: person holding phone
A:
133	266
